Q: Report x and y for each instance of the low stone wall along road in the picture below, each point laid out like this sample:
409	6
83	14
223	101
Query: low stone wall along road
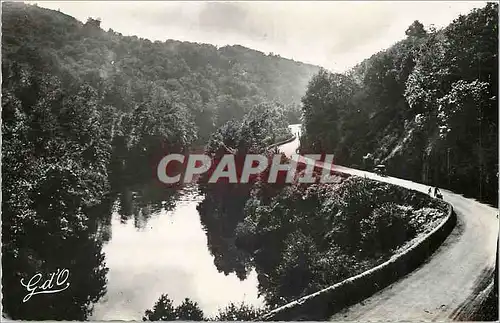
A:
449	280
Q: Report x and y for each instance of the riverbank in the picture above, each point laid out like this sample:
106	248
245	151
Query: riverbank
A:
165	250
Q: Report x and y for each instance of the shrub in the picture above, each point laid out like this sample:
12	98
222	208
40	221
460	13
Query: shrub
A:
241	312
164	310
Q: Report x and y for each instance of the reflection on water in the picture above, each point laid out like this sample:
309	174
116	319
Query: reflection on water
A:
59	238
160	247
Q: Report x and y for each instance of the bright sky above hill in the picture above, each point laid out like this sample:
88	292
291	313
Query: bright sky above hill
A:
333	34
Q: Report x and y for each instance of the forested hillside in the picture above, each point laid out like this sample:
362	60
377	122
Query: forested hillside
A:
213	84
427	107
86	113
303	237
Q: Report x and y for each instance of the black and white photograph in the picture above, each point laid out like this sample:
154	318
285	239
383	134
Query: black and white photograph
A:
249	161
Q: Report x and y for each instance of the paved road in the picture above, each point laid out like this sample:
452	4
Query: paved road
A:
453	276
290	147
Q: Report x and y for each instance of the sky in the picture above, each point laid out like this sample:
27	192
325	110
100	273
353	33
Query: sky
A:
333	34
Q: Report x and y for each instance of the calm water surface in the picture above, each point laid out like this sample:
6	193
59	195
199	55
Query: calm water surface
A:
168	256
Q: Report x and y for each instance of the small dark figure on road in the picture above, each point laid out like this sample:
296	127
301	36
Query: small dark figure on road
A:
437	193
430	191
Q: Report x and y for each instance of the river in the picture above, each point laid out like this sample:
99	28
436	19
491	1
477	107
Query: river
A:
168	254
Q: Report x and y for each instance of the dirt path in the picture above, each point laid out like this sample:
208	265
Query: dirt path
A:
453	276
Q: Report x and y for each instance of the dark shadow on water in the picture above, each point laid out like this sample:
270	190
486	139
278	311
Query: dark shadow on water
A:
220	214
44	252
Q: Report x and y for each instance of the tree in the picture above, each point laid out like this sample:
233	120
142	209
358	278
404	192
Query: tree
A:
409	106
163	310
189	311
416	29
95	23
47	214
327	102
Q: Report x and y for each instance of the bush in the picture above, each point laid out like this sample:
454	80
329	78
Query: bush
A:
387	227
164	310
241	312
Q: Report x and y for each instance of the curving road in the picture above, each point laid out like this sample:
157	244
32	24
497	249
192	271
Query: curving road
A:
452	278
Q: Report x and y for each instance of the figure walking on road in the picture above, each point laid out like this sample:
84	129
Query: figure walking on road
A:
437	193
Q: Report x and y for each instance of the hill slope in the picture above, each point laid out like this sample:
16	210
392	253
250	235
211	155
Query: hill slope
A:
87	113
214	84
427	107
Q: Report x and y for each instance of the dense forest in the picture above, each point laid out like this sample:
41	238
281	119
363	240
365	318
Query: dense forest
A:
212	84
427	107
301	237
87	113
